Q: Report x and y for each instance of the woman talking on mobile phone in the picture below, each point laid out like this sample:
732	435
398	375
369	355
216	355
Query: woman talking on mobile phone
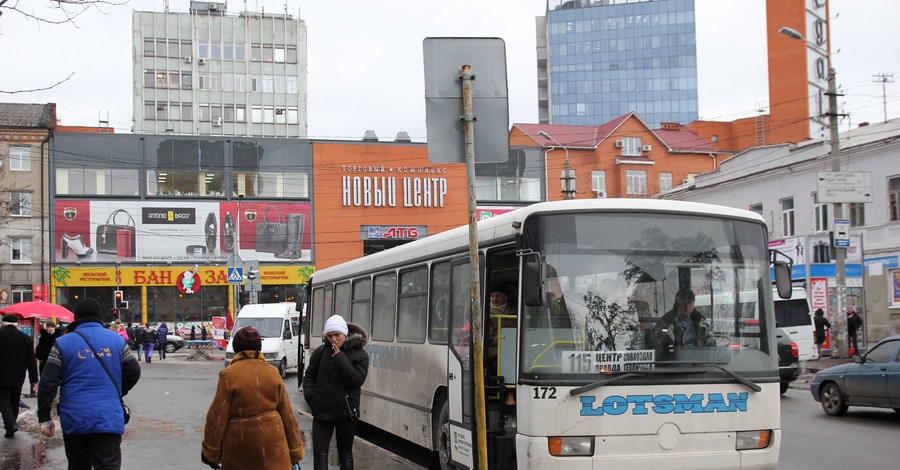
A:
331	387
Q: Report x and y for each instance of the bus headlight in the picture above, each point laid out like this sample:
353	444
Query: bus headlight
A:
571	446
749	440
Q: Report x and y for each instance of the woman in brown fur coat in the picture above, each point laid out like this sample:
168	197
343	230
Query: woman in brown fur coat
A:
250	423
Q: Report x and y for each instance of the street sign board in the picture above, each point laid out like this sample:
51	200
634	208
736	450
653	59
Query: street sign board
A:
843	186
444	57
841	233
235	275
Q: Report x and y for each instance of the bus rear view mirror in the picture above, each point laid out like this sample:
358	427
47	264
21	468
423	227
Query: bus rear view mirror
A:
532	285
783	279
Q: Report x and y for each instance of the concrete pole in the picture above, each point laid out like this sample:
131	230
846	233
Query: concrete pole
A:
840	254
468	118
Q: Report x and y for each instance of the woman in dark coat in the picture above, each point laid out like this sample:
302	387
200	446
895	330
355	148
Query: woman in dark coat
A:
331	387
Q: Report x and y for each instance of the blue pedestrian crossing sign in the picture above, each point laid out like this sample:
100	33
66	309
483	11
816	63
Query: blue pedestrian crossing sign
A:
236	275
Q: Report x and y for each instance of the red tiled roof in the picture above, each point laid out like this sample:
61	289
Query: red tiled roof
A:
682	140
572	136
678	140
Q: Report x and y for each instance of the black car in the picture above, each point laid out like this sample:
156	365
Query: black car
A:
872	379
788	360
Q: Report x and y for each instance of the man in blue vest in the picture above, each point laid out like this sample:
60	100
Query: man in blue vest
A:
90	411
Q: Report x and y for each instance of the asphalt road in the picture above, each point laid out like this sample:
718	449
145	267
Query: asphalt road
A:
168	409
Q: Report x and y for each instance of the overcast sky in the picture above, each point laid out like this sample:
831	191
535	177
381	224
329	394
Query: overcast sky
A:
366	68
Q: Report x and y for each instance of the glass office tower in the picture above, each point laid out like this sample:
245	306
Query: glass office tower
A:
600	59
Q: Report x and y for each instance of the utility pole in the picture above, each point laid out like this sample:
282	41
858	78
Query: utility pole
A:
884	78
840	253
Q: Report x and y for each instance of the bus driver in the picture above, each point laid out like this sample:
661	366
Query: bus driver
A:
682	326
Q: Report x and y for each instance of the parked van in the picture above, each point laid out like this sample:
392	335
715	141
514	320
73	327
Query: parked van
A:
279	326
794	317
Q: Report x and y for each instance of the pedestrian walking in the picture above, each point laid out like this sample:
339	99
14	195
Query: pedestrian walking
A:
16	357
148	341
250	423
854	323
822	324
202	332
90	403
46	340
331	387
162	335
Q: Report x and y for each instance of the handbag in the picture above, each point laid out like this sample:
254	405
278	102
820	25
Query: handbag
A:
271	237
126	412
109	233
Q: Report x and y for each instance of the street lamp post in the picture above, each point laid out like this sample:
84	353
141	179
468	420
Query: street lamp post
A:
840	254
568	175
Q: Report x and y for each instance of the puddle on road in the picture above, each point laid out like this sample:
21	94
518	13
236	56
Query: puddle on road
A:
31	456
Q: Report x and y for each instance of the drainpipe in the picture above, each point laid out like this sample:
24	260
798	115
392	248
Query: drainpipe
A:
44	214
715	161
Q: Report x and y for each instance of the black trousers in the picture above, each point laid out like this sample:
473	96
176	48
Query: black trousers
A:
9	405
853	343
100	451
322	431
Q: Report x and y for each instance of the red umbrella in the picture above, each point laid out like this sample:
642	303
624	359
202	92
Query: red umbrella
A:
40	310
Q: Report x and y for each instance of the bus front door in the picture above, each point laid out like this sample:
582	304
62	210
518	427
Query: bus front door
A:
460	370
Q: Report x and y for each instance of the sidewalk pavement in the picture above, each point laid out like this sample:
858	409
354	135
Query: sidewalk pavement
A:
810	368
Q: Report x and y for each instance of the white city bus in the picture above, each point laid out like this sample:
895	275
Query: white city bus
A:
586	374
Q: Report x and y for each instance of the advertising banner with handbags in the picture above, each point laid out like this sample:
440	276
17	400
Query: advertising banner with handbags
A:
156	230
119	226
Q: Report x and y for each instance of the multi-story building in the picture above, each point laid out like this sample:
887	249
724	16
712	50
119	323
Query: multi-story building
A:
780	182
25	132
209	72
624	157
604	58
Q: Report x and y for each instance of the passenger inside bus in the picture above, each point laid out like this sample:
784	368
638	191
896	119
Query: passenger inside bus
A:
502	320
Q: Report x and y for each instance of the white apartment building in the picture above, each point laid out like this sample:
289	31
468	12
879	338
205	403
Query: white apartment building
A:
780	183
210	72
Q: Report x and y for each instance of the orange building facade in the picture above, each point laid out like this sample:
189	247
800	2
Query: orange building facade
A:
371	196
797	80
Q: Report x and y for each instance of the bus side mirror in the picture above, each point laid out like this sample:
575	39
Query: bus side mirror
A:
532	287
783	279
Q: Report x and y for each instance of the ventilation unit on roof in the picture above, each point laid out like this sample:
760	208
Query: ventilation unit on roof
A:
213	6
647	148
186	59
201	61
620	144
601	194
217	122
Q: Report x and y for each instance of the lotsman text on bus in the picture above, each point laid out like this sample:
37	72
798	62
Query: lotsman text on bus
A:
678	403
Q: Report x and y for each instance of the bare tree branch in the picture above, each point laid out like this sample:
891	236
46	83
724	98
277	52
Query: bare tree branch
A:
59	11
38	89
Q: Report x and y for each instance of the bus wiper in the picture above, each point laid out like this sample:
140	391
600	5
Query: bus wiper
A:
718	365
598	384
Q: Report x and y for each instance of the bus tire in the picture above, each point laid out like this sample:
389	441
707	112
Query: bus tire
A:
442	439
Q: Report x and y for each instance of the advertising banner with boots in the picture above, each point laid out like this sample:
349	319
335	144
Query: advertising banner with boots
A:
180	231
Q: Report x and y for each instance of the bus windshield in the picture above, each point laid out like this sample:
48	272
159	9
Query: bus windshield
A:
631	292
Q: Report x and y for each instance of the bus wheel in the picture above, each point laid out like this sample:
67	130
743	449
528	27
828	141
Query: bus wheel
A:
442	438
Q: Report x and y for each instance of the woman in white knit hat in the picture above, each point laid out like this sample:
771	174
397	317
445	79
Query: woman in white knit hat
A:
331	387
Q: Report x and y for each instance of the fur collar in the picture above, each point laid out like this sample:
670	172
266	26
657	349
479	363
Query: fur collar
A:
357	338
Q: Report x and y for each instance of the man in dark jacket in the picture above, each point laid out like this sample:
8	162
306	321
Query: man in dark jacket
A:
16	356
682	326
331	387
822	324
162	337
90	409
854	323
45	343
